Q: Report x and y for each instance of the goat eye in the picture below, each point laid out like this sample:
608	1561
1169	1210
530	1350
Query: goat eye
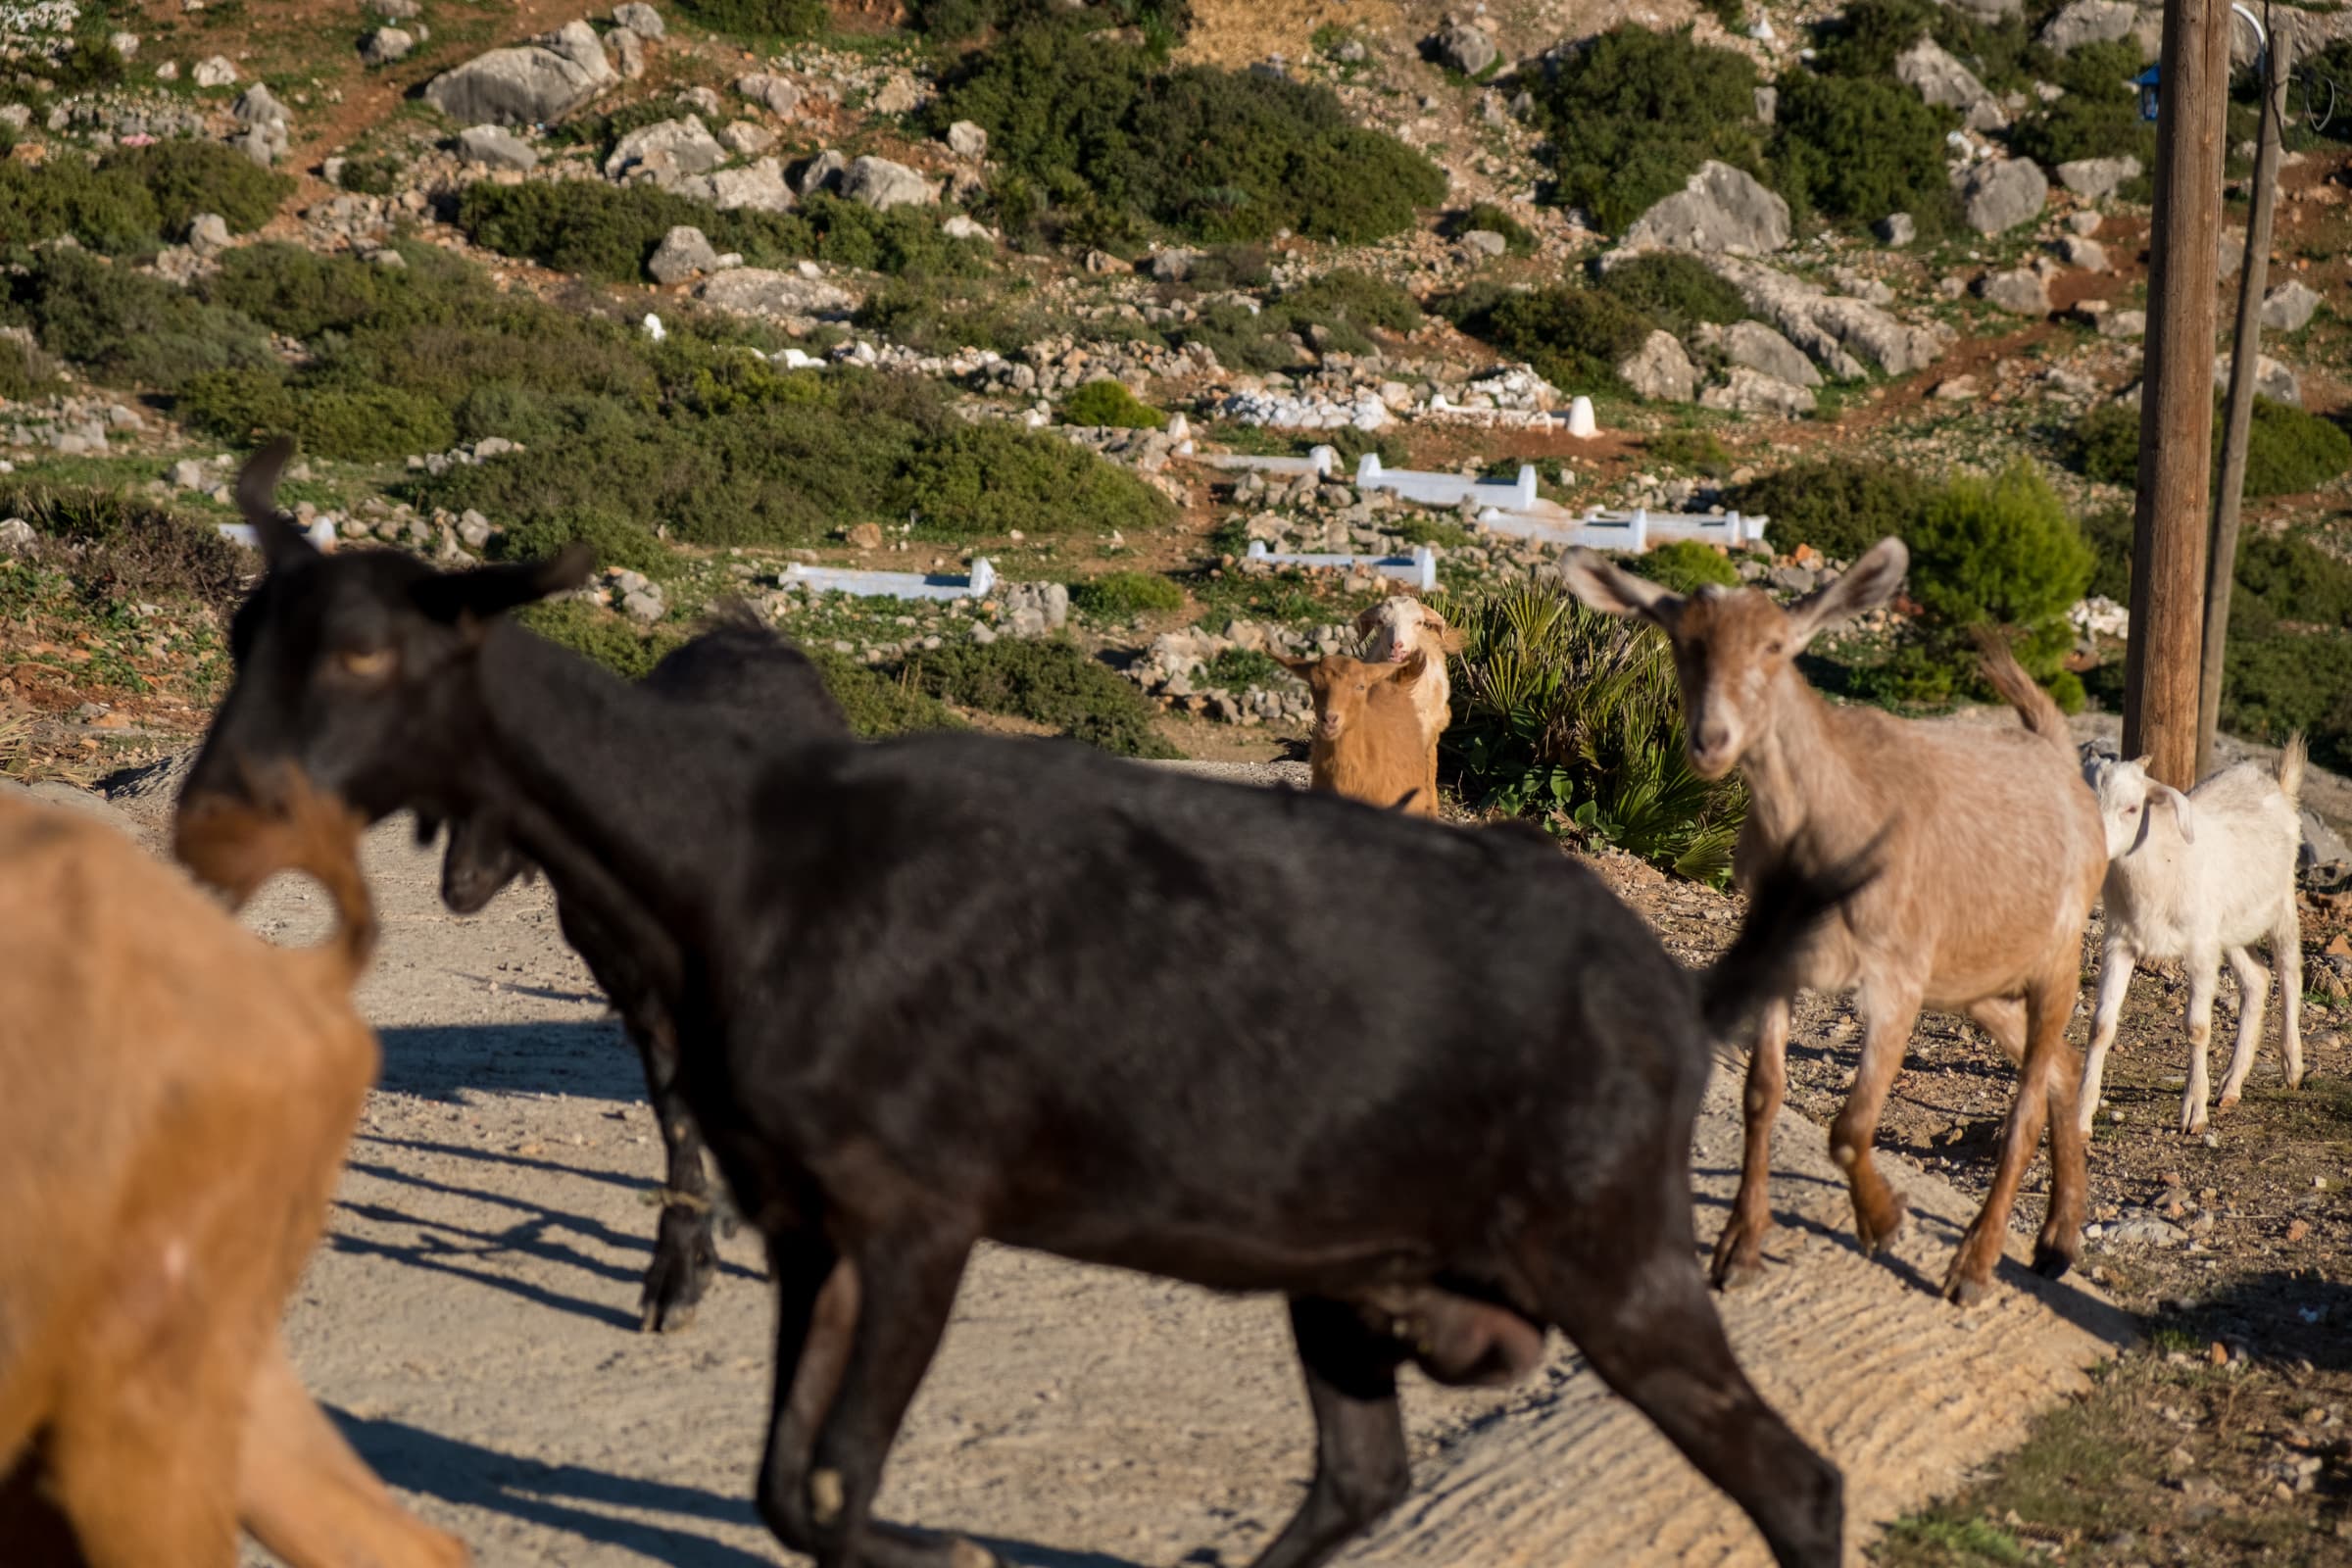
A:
365	663
1774	648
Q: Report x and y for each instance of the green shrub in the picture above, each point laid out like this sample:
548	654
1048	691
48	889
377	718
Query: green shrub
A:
25	371
1345	299
1864	40
375	175
1858	148
1840	506
2097	118
359	424
1686	565
2272	685
596	633
1238	670
1045	682
2104	444
933	320
186	175
2288	450
761	19
1677	292
1220	155
1696	450
128	328
876	703
1123	594
2108	533
1516	238
1162	22
1575	717
137	198
985	480
1109	403
1633	114
1573	335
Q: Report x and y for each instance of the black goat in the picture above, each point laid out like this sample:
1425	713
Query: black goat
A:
736	673
947	988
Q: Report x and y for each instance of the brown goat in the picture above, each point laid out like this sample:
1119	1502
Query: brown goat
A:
179	1096
1992	857
1368	743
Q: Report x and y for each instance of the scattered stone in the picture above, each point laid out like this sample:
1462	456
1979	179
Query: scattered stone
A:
1956	389
759	186
1768	104
1033	609
640	19
866	536
216	72
962	226
1747	390
1845	336
746	139
188	474
1722	210
125	44
2290	307
387	46
527	84
683	252
1485	242
665	152
2322	845
496	147
207	232
2272	379
2089	22
2124	324
785	296
2084	224
823	173
169	71
2096	178
628	53
1896	228
779	95
2144	1230
257	105
17	537
1932	72
900	95
1659	370
1464	48
1173	267
879	183
1996	197
2088	253
968	141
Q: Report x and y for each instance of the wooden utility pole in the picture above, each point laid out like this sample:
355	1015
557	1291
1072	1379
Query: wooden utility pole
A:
2162	662
2245	354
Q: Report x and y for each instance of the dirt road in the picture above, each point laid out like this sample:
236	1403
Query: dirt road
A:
471	1322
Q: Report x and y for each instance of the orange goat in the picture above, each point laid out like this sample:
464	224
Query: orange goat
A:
1368	740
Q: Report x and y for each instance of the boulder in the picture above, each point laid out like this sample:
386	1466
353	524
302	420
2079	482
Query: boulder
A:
781	97
2290	307
1896	228
628	53
2096	178
496	147
1845	336
746	139
2020	290
2272	379
1485	242
387	46
1747	390
823	173
683	252
2078	251
782	296
2124	324
1996	197
257	105
2084	21
216	70
207	232
665	152
960	226
1722	210
527	84
640	19
1928	68
1759	348
759	186
968	141
1464	48
1660	370
879	183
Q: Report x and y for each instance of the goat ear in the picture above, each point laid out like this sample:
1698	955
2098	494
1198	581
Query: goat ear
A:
1364	621
282	543
1297	666
2183	815
1612	590
488	591
1867	584
1450	639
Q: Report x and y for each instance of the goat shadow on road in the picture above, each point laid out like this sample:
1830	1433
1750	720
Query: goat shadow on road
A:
577	1500
587	1060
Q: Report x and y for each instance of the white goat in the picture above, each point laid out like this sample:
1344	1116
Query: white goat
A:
1396	630
2198	881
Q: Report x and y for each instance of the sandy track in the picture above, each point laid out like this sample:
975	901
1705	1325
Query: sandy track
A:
471	1321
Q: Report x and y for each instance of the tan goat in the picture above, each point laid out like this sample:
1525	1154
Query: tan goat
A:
179	1098
1992	857
1367	738
1396	628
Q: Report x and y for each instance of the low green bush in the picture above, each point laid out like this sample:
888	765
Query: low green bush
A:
125	327
1632	115
1575	717
1696	450
359	424
1123	594
2272	685
1109	403
1163	22
761	19
1517	239
1572	334
1859	148
1864	40
1238	670
1840	506
136	199
876	703
1686	565
985	480
2098	116
596	633
1216	154
1045	682
25	371
1345	298
937	321
1674	291
2288	451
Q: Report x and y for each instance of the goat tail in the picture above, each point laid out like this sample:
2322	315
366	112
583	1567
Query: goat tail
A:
2291	757
2020	690
1786	906
236	846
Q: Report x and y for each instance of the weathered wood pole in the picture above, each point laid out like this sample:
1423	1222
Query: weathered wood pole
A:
2163	661
2221	557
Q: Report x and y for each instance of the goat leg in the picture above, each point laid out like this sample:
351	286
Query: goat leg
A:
1878	1208
2048	1057
2286	955
685	1257
2116	964
2204	979
1361	1471
2253	987
1643	1318
1740	1250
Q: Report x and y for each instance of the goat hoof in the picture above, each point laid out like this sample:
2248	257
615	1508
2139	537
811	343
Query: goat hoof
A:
971	1554
2228	1101
1738	1259
1877	1233
2051	1260
1964	1290
1733	1273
